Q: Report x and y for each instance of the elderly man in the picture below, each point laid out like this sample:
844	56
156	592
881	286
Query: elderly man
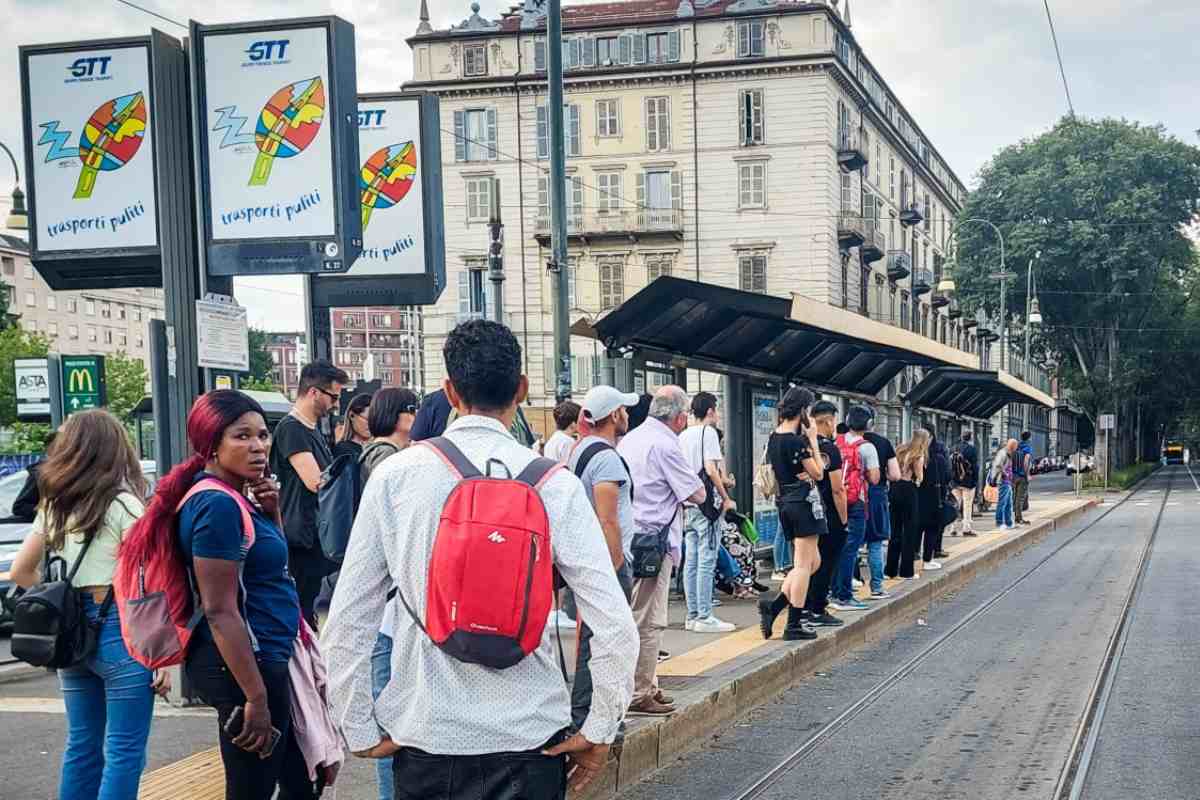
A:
1002	477
664	481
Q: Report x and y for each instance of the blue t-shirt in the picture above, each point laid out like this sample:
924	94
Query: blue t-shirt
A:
1023	449
210	526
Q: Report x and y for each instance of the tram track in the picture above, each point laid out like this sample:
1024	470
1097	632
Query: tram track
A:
1074	774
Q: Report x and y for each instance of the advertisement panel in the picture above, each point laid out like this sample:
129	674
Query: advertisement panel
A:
33	387
764	406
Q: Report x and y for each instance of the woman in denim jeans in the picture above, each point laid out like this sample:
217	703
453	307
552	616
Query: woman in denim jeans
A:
92	487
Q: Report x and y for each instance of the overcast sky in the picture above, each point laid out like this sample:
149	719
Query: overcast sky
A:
976	74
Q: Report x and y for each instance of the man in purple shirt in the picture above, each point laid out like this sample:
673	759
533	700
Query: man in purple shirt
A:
662	481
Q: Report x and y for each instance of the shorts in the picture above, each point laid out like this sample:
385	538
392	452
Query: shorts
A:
802	516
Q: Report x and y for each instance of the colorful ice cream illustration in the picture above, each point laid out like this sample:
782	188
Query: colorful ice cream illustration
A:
110	138
386	177
287	124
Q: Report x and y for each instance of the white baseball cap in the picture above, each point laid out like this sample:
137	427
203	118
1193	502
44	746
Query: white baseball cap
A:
601	401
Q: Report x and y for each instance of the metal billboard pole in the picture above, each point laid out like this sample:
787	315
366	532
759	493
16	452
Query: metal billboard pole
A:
558	204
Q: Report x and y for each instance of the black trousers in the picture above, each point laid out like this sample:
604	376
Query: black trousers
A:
931	535
830	546
248	777
581	684
906	530
308	569
495	776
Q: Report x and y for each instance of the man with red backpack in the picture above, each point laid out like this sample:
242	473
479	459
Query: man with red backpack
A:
860	471
465	533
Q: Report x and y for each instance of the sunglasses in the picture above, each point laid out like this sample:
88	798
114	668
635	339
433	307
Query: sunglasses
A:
330	395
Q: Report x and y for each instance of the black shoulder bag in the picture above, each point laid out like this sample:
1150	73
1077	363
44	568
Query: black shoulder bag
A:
50	624
711	506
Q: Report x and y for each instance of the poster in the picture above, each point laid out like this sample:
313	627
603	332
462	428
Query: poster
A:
270	158
32	377
390	189
764	407
93	158
223	335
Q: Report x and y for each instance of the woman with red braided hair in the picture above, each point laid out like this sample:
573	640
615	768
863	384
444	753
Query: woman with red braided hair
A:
238	656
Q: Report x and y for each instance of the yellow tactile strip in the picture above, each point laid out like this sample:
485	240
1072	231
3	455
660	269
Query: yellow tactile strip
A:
197	777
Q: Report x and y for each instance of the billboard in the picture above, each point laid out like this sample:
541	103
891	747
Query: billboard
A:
92	120
276	140
400	206
33	387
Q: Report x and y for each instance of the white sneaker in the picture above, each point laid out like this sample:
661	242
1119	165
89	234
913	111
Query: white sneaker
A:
778	575
560	619
856	583
933	565
1010	527
689	624
711	624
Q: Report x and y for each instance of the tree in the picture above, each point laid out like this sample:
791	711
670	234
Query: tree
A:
260	357
259	385
15	343
126	378
1105	203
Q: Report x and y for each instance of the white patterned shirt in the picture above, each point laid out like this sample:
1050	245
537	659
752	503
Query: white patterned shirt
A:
434	702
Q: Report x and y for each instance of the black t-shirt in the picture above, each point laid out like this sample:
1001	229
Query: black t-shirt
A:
347	447
787	452
833	461
297	504
886	453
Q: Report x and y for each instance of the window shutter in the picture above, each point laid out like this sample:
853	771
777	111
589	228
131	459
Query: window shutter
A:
639	48
543	188
543	132
460	136
673	46
676	190
576	197
464	292
624	45
493	151
756	37
743	47
664	124
760	117
539	55
573	130
589	52
641	198
576	52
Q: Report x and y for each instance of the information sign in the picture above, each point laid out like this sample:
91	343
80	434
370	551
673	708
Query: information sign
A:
1108	422
83	385
33	387
223	334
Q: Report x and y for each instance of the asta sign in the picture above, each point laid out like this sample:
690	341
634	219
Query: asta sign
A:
400	206
277	146
94	141
33	388
83	384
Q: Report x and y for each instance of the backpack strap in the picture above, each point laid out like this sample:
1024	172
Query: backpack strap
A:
452	457
538	472
214	485
593	450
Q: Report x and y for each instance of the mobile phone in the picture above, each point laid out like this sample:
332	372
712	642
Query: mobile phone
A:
233	727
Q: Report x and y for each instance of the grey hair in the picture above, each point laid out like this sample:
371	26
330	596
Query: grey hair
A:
668	403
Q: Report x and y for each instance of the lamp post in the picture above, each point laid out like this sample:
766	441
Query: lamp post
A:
1033	314
947	284
18	218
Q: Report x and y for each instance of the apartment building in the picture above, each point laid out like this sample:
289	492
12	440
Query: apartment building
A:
286	349
378	343
100	321
745	143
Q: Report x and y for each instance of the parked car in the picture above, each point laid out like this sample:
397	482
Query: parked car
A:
1080	463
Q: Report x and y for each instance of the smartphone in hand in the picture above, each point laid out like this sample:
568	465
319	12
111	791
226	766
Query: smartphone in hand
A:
233	727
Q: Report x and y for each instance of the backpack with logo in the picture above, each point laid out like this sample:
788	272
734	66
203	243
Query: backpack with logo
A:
337	505
50	624
854	469
490	584
158	603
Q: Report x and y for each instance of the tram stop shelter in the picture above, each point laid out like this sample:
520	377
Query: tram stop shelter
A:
762	343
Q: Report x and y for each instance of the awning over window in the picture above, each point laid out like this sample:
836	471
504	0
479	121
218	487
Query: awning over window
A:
973	393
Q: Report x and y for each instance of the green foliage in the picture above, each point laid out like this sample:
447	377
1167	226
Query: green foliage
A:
27	437
259	385
260	357
15	343
127	379
1124	478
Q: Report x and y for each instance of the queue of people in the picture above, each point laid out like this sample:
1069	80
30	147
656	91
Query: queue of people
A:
629	490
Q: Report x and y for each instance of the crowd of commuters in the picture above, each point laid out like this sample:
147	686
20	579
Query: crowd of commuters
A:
635	488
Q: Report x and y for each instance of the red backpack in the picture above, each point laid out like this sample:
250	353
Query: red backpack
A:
158	605
490	584
854	471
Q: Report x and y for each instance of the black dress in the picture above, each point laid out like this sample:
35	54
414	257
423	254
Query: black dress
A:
932	494
801	512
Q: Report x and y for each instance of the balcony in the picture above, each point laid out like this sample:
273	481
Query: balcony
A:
899	265
911	216
851	156
939	300
922	282
875	244
624	223
852	231
954	312
969	322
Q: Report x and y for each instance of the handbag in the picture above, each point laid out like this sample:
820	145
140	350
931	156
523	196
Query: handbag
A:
949	511
650	548
710	506
764	476
991	493
50	624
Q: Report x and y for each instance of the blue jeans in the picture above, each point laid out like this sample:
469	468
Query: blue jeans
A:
701	541
856	531
784	552
381	673
1004	506
109	707
879	530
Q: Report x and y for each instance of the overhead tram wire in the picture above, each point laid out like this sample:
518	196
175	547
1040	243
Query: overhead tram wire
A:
1058	52
153	13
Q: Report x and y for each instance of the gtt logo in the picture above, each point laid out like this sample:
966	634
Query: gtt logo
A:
371	117
263	51
90	66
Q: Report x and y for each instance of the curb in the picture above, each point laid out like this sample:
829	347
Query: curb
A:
19	672
652	747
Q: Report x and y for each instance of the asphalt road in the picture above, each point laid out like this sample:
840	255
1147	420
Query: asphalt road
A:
993	711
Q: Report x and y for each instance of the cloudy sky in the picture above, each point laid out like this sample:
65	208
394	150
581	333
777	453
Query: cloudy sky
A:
976	74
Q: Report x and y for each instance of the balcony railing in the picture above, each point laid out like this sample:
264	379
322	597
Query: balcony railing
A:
922	282
939	300
620	223
852	230
875	244
851	156
899	265
955	311
911	216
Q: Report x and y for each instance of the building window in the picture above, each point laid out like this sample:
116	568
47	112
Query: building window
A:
570	121
612	281
51	302
29	272
475	60
608	192
137	315
479	199
658	123
574	202
892	306
89	307
123	340
866	151
381	320
31	300
91	333
752	185
660	197
752	271
892	180
657	266
658	50
608	118
928	214
904	310
750	104
72	331
606	51
750	38
475	135
53	328
472	290
10	265
121	312
878	162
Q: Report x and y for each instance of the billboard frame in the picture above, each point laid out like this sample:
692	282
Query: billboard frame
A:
285	255
355	291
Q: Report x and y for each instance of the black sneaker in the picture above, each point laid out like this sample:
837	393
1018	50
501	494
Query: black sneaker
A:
824	620
766	617
802	633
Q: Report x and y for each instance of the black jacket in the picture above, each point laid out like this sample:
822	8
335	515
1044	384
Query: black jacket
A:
971	455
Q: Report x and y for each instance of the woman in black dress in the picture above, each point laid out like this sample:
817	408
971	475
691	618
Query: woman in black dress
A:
933	493
795	458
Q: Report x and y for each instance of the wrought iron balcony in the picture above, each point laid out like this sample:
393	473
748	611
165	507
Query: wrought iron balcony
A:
622	223
922	282
899	265
939	300
969	322
852	231
851	156
954	312
875	244
911	216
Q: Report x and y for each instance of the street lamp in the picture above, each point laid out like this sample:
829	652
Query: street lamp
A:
18	219
947	283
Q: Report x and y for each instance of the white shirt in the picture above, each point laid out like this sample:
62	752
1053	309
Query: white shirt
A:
700	443
434	702
558	447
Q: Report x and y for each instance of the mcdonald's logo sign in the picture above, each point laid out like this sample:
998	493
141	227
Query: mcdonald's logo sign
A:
80	381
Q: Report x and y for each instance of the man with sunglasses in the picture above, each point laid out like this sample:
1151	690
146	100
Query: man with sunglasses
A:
299	453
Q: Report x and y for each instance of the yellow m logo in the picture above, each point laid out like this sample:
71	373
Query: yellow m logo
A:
80	380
